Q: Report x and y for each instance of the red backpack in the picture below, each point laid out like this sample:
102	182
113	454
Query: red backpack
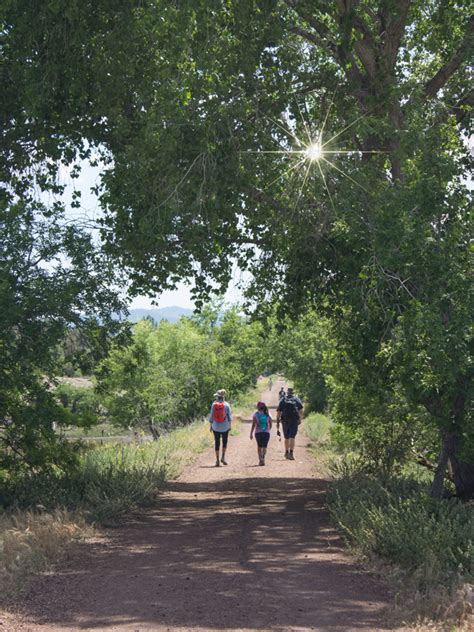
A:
218	412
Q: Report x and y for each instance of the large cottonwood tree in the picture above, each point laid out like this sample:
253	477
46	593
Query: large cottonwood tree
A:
378	241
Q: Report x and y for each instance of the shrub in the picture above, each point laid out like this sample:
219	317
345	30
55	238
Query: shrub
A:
112	479
433	541
83	403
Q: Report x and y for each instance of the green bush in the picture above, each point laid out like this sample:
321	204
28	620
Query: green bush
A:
344	438
433	541
83	403
111	479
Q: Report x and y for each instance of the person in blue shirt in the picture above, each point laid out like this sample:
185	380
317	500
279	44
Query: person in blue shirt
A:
261	424
220	418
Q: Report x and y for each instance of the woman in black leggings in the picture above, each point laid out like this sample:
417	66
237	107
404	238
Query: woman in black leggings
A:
217	443
220	418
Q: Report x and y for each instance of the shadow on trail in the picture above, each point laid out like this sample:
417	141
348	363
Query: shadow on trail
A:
246	553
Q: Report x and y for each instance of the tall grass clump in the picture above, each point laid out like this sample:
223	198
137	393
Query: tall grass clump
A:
431	541
317	428
30	541
112	479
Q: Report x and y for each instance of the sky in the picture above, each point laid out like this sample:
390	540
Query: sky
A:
90	211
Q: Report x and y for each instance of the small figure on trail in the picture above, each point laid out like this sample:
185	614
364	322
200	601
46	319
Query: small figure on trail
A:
220	418
270	383
281	393
290	413
261	424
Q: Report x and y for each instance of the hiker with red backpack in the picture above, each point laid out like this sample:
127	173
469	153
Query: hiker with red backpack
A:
220	418
261	424
290	413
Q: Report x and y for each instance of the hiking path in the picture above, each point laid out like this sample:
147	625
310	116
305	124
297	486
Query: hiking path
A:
236	548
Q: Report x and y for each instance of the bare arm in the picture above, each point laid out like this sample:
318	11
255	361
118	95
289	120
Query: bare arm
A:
254	423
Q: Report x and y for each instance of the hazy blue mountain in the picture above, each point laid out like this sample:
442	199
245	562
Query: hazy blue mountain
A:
171	314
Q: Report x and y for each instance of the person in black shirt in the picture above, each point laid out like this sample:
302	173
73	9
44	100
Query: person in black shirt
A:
290	414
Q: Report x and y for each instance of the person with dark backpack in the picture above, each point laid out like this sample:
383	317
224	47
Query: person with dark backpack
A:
290	413
261	424
220	418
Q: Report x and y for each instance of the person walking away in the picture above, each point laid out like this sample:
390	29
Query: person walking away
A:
290	413
281	393
270	383
220	418
261	424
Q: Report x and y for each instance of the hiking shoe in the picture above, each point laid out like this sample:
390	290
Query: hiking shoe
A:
217	463
224	462
287	455
291	457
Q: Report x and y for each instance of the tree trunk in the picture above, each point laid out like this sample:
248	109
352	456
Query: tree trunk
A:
462	473
463	477
436	490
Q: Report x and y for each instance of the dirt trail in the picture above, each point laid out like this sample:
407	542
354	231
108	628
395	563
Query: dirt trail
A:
241	548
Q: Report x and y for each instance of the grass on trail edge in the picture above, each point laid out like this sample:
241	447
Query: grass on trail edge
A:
425	546
59	509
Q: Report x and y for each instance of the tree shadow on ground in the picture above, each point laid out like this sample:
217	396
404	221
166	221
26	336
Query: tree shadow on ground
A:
245	553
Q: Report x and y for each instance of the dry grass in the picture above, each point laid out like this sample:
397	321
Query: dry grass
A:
32	541
440	610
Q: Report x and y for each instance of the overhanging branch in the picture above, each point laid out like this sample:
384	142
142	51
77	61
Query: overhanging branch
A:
314	39
434	85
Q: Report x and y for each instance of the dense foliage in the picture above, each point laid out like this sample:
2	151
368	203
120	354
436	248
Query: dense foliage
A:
397	522
168	374
52	280
297	350
109	479
424	545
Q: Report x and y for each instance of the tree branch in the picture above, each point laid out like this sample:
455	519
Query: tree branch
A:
393	25
422	460
365	50
434	85
310	37
315	24
320	35
461	110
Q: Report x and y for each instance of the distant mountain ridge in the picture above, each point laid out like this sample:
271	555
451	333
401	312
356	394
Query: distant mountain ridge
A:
171	314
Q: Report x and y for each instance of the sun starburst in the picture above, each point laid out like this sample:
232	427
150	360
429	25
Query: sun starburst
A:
312	151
